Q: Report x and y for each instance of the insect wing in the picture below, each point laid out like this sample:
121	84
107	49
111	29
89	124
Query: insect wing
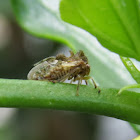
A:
48	59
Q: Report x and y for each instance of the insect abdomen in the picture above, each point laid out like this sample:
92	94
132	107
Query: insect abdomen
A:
58	73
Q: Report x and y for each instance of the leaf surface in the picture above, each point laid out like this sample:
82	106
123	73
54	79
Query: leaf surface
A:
41	18
115	23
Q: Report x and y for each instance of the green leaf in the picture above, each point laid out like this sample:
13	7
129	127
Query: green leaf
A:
38	94
129	87
41	18
135	73
136	127
115	23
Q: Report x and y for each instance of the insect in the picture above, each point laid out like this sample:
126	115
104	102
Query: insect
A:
60	68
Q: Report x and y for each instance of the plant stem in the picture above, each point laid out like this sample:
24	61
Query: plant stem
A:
62	96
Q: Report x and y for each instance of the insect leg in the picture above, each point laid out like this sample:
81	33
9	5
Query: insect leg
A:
87	78
86	82
77	92
67	75
62	80
71	81
99	90
93	82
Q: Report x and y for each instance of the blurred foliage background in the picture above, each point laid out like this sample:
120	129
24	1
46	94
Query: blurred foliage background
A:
18	52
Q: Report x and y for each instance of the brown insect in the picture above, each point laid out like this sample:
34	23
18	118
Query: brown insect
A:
61	68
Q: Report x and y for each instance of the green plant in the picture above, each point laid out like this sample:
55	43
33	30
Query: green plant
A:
110	22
